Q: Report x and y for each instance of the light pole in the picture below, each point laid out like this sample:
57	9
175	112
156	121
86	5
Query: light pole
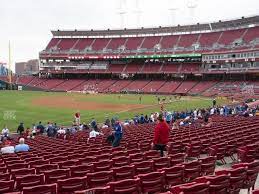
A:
192	5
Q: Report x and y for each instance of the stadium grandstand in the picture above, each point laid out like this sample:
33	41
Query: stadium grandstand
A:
204	59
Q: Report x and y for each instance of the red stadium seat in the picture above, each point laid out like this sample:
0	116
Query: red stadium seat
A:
252	173
124	172
120	161
45	167
160	163
52	176
217	184
143	167
67	186
103	165
6	186
174	175
81	170
208	165
5	176
192	170
127	186
22	172
237	178
151	154
96	190
152	182
41	189
99	179
138	157
177	158
29	181
191	188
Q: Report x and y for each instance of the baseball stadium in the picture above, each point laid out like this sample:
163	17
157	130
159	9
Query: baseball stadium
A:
170	110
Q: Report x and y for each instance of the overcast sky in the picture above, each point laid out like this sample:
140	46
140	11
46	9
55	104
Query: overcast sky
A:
27	23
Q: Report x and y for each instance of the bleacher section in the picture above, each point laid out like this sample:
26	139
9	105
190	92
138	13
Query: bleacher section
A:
182	42
236	89
185	87
57	165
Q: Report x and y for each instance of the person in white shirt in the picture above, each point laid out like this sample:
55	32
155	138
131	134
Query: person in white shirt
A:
212	111
93	134
221	112
5	131
7	149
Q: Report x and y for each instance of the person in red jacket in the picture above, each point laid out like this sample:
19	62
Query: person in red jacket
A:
161	136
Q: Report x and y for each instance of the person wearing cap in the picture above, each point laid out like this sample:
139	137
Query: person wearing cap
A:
117	134
40	128
20	129
161	136
7	147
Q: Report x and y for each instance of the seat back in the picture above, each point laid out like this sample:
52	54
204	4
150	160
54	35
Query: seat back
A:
152	182
191	188
144	167
174	175
81	170
29	181
22	172
96	190
70	185
41	189
127	186
104	165
6	186
160	163
99	179
124	172
45	167
52	176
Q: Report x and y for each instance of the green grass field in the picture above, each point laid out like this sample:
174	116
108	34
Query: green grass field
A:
18	106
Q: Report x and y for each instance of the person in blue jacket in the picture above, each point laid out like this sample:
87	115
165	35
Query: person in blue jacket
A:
117	134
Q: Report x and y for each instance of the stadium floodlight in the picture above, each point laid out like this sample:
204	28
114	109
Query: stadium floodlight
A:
192	5
137	11
122	12
173	8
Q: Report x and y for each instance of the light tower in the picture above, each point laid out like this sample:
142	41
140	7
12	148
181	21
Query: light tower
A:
122	12
192	5
173	8
137	12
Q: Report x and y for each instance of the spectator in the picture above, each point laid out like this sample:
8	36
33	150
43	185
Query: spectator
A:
142	119
107	121
77	118
5	131
40	128
7	148
161	136
175	125
113	122
28	132
214	102
117	134
20	129
22	147
50	130
168	118
94	124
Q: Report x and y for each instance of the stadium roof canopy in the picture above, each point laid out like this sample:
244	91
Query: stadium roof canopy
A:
195	28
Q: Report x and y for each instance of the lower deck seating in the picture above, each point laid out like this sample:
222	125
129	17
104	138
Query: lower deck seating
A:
52	164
